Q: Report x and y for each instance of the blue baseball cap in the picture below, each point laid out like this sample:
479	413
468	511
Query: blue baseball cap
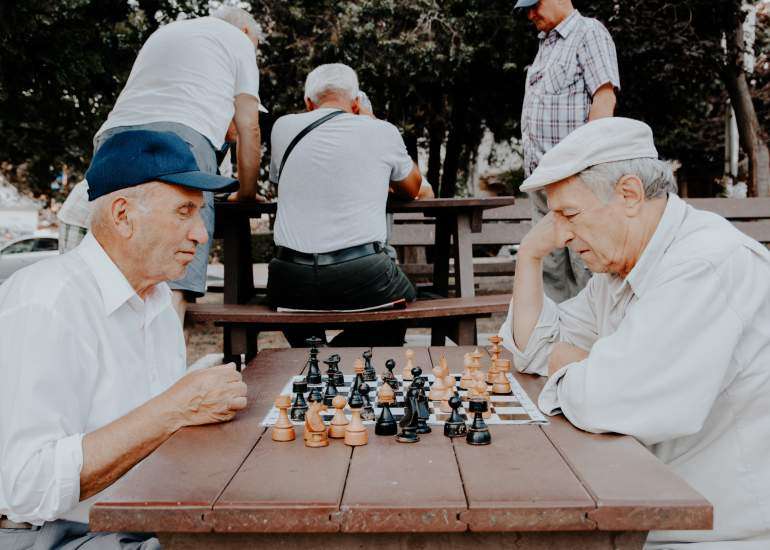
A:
138	156
523	4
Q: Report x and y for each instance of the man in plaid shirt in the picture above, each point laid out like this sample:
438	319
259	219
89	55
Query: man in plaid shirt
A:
571	81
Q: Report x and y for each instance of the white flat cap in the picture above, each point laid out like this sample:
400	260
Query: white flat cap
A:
603	140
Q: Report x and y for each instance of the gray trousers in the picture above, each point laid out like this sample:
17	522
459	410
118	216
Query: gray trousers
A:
564	273
69	535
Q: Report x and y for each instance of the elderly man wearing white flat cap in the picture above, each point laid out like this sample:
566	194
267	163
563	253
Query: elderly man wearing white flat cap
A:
670	340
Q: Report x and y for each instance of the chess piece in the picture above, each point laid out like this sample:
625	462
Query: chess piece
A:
406	374
467	376
479	391
478	433
501	386
358	369
370	375
283	429
355	432
475	366
423	410
315	392
455	426
389	377
340	421
313	372
385	394
315	435
334	369
299	407
437	390
367	411
386	424
331	391
495	341
314	397
409	421
492	372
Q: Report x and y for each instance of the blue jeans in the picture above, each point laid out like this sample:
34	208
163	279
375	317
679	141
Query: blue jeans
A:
69	535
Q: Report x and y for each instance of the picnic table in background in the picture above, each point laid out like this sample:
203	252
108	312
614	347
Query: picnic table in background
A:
548	486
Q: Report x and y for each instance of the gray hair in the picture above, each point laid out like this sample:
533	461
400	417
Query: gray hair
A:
140	195
334	78
656	177
239	18
366	103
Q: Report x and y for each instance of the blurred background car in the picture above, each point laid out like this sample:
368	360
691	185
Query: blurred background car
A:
22	252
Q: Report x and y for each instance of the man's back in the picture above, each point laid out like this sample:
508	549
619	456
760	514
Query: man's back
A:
188	72
334	185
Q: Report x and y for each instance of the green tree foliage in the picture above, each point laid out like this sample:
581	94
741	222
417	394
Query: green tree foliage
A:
442	70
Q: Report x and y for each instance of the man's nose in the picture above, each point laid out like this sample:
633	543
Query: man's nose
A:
563	230
198	232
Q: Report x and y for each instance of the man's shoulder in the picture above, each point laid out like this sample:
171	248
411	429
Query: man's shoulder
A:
47	283
592	26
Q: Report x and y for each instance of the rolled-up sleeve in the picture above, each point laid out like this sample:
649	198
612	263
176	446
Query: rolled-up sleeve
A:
573	321
44	404
657	376
598	58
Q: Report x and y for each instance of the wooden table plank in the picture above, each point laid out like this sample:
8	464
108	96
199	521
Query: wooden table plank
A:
397	487
633	489
173	488
519	482
287	487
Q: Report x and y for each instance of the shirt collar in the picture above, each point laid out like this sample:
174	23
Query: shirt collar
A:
113	285
664	235
565	27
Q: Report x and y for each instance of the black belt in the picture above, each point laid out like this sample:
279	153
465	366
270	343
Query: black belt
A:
328	258
5	523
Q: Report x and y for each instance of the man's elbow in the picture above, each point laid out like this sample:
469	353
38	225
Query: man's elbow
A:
410	186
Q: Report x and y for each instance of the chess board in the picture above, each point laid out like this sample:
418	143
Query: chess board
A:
515	408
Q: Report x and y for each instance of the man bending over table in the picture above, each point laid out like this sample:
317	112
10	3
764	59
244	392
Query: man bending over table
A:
670	340
92	357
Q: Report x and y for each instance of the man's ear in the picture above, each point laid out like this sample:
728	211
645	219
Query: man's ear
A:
120	218
631	190
355	106
310	105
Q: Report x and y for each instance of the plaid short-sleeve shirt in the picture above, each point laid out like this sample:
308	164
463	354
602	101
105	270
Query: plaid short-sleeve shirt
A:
574	60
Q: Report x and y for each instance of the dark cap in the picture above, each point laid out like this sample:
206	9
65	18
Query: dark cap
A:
138	156
525	4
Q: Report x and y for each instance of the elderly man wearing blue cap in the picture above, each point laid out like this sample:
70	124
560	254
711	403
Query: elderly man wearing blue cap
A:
670	340
571	81
93	359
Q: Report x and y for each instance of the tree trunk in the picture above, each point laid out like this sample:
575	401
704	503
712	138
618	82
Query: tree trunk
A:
749	131
454	147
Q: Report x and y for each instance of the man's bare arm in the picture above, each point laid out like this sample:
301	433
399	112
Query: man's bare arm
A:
201	397
249	144
603	102
408	187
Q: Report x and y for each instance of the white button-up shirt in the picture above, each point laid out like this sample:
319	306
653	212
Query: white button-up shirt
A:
79	350
680	359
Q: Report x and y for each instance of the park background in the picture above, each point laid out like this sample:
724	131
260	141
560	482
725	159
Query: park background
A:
449	73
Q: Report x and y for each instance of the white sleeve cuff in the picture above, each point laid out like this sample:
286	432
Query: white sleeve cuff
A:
68	463
548	401
534	358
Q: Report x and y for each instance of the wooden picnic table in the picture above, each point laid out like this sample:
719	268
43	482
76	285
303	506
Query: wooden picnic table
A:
456	220
536	486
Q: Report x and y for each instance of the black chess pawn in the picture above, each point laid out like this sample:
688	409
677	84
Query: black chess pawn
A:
299	406
370	375
386	424
416	373
367	412
331	391
455	426
313	372
478	433
423	409
389	377
409	422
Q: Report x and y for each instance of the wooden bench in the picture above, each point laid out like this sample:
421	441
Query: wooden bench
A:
412	235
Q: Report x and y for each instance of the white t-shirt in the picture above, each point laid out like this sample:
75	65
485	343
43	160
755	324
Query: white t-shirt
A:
189	72
334	186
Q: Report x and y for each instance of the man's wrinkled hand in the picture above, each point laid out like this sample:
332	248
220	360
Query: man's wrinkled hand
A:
542	239
563	354
208	395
